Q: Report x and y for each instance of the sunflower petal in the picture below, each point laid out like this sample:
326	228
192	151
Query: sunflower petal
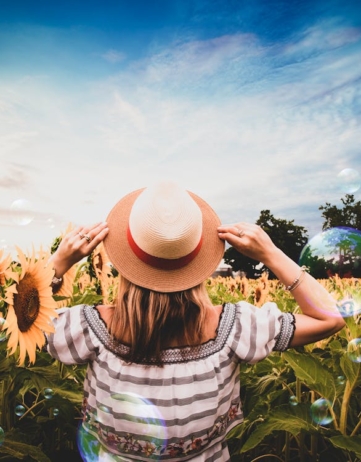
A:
23	262
22	346
38	335
13	341
11	318
30	346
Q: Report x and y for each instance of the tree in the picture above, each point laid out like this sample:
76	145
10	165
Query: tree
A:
349	215
290	238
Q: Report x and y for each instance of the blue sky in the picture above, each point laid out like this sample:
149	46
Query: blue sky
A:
251	104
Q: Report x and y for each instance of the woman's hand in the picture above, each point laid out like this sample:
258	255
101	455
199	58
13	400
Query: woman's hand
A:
250	240
76	245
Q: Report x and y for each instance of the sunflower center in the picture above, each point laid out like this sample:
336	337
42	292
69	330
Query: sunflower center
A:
26	303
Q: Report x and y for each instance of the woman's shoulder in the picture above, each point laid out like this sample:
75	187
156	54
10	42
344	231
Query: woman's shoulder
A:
105	313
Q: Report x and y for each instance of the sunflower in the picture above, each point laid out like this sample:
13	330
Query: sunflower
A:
32	307
102	268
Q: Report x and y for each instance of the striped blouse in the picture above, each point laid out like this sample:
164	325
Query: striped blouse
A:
177	412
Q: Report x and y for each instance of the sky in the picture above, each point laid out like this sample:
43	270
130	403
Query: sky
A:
251	104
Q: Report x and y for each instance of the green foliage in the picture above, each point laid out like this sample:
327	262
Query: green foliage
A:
48	425
348	215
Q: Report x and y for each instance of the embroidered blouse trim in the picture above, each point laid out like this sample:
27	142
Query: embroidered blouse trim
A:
157	447
171	355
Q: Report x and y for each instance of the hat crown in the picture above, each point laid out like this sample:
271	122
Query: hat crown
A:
165	221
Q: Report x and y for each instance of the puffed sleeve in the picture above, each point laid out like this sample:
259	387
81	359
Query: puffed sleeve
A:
259	331
73	341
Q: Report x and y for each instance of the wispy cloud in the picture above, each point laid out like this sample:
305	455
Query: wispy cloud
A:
13	179
114	56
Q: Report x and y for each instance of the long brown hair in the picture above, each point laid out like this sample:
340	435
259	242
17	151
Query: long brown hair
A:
150	320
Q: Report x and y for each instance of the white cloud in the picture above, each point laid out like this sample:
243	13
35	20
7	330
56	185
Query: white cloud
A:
276	144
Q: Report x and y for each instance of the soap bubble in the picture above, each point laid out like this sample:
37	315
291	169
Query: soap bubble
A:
50	223
22	212
2	436
341	380
354	350
20	410
349	307
88	445
56	411
293	401
321	411
48	393
334	251
349	180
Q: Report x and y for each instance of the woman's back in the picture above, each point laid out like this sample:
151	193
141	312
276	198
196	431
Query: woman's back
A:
179	411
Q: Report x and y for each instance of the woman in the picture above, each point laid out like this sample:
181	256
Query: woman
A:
163	363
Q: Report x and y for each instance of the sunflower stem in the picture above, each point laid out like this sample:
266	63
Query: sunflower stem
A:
29	409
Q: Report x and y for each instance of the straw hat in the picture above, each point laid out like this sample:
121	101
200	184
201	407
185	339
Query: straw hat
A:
164	238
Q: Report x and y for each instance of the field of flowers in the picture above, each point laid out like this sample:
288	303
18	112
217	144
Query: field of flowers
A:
300	405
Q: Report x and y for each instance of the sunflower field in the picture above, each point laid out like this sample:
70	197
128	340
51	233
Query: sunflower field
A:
300	405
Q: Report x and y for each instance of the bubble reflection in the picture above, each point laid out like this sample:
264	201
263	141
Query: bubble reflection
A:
349	307
20	410
22	212
334	251
349	180
321	411
137	416
48	393
354	350
50	223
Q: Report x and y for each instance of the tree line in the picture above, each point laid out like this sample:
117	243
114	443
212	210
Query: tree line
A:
344	249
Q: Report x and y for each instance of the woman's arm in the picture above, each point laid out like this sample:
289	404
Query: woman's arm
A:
320	317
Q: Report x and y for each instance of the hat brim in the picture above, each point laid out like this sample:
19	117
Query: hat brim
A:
136	271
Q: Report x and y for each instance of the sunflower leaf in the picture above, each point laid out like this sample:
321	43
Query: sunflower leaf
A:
348	443
283	418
